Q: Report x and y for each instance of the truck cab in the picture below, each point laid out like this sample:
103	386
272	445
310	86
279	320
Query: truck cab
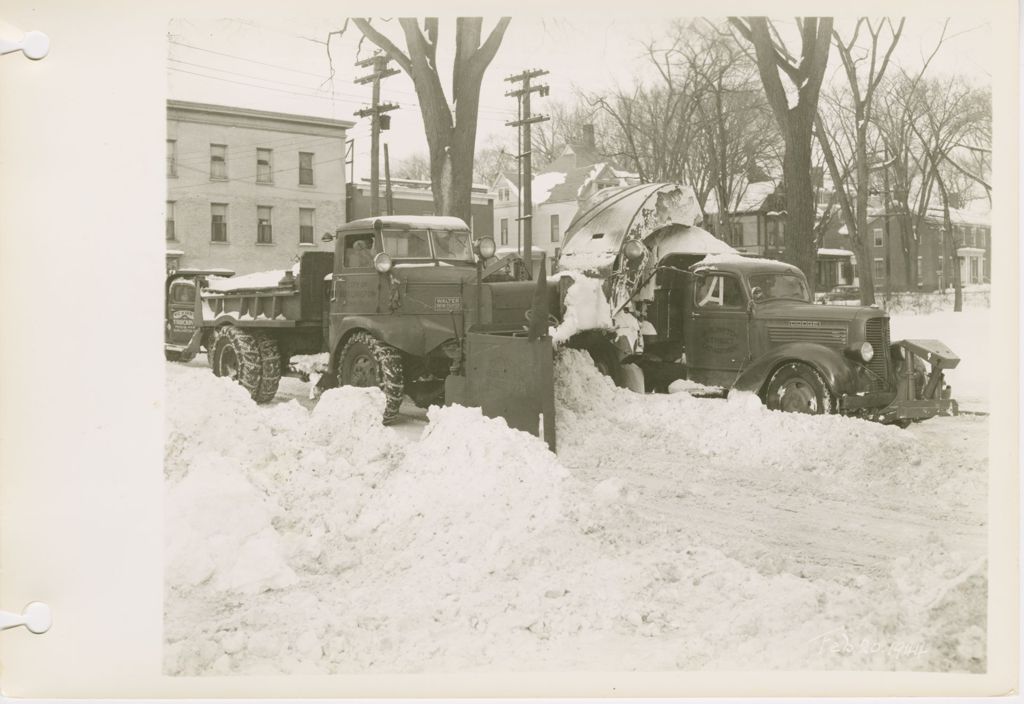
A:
181	289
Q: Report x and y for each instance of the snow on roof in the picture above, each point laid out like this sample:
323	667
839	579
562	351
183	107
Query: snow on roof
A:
959	216
501	251
174	253
826	252
594	172
752	198
726	257
543	183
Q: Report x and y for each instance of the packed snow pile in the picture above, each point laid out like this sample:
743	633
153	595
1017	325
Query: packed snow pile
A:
670	532
586	308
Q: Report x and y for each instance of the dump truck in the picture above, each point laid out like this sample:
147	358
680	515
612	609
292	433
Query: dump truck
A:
721	319
412	305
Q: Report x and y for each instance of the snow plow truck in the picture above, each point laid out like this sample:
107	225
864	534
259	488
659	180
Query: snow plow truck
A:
702	311
412	305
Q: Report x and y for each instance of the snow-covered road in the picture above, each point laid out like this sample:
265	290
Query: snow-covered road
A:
669	533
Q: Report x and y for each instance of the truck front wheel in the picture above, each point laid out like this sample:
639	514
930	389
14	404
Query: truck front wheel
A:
366	361
798	388
251	360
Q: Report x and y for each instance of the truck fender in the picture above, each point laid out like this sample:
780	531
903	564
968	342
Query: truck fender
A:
414	335
830	363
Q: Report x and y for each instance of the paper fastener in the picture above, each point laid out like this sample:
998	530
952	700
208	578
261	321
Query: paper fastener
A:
34	45
36	617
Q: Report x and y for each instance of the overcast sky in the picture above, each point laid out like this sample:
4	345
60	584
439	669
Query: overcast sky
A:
284	66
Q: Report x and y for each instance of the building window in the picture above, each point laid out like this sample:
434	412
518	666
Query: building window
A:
172	158
879	269
503	230
264	170
879	239
305	168
218	161
974	270
306	225
264	230
554	228
170	219
218	222
504	194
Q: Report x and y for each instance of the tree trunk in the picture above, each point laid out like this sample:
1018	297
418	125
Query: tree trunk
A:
947	226
796	173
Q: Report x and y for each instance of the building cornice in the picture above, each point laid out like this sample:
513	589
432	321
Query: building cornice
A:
208	113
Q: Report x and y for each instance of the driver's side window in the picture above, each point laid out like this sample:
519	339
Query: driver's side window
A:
359	251
719	291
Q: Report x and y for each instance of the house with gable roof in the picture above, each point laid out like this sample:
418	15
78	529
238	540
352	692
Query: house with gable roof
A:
559	190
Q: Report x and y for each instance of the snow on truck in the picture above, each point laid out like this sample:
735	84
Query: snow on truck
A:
703	312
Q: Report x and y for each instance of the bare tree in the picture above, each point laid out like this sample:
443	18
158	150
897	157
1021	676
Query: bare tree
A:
492	159
414	166
451	133
796	119
865	58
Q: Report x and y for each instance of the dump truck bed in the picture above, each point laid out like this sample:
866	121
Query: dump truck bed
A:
275	299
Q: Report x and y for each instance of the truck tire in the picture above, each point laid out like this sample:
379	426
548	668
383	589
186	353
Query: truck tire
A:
239	355
798	388
366	361
211	343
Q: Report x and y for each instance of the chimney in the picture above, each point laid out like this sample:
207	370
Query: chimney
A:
588	137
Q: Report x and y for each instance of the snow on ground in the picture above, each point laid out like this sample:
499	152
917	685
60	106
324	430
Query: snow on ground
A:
670	532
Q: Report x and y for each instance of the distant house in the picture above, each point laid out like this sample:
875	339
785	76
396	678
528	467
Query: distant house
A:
756	224
414	197
559	190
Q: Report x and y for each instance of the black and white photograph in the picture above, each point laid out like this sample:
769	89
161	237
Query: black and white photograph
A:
528	344
583	351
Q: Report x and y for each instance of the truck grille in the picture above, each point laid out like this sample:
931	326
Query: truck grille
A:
820	335
877	333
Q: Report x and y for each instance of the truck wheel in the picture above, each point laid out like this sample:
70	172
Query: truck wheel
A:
238	355
211	344
798	388
366	361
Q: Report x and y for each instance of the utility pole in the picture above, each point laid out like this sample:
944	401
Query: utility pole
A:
378	120
886	202
525	156
389	201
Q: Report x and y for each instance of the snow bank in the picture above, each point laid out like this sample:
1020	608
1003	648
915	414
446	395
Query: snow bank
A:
669	533
586	308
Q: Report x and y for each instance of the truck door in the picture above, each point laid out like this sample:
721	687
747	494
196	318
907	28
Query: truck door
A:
717	341
356	281
181	303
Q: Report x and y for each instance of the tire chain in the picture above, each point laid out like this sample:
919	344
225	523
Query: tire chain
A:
389	368
258	359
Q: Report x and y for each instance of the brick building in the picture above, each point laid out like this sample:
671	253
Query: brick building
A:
412	197
248	189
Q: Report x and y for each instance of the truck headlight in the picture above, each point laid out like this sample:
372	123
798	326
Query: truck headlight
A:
867	352
382	262
485	247
634	250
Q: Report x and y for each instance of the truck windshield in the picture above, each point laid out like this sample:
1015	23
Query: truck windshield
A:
407	244
448	245
769	287
453	244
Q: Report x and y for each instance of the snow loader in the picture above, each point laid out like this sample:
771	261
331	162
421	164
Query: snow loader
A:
412	305
708	314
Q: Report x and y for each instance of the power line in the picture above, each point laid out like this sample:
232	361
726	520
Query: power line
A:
321	76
